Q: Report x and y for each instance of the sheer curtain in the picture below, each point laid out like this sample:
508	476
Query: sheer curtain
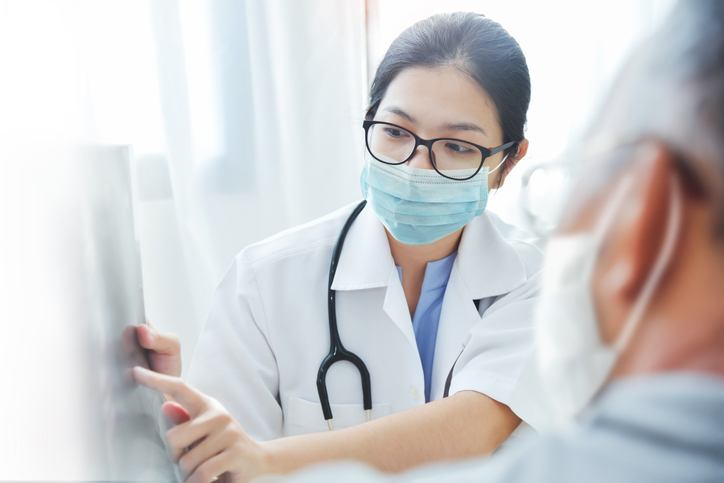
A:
244	118
249	124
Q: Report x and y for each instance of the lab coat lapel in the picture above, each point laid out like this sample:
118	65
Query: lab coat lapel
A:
366	262
487	265
457	316
396	308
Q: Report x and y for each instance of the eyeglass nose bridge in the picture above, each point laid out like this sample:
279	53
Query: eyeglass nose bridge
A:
422	142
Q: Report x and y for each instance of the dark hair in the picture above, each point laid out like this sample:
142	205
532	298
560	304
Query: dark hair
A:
478	47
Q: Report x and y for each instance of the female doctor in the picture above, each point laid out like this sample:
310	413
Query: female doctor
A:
433	293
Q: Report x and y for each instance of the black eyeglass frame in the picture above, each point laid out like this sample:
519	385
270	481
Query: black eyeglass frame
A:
428	144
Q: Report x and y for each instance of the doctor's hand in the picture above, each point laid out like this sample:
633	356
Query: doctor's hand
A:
218	444
164	349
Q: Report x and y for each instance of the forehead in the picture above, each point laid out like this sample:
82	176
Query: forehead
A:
439	96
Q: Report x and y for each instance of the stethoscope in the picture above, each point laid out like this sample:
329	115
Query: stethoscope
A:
337	352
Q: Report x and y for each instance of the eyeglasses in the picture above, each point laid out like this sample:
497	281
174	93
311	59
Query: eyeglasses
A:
451	158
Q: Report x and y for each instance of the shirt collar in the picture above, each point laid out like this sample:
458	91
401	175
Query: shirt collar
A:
366	260
437	273
675	403
488	264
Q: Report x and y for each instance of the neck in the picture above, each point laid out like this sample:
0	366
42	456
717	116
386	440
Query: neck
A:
684	328
664	347
414	255
414	259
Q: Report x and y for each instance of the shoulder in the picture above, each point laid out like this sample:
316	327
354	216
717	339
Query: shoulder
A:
528	246
321	233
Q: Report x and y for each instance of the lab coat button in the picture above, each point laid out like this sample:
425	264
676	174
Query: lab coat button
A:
414	393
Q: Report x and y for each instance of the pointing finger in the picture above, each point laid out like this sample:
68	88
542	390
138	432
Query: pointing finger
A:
189	397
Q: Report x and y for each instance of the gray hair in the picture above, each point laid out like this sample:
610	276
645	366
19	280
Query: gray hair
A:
673	90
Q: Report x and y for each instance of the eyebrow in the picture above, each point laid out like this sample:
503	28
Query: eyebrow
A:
461	126
464	126
400	112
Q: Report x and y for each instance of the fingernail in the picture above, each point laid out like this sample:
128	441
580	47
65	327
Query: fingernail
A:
139	369
150	331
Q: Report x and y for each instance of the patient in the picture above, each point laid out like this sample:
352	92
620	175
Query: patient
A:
635	283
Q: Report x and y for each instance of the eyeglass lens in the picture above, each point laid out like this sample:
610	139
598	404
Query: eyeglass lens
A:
394	145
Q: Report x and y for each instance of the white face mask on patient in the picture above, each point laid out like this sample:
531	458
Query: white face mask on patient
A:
574	361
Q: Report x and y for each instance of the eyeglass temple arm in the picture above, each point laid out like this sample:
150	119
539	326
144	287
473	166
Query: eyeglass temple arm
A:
501	148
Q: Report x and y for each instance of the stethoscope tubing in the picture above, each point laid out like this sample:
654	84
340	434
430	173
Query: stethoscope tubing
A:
337	351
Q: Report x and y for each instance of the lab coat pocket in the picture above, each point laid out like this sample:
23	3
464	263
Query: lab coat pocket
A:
302	416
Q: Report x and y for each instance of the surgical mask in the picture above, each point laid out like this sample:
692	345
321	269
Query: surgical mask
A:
418	206
574	361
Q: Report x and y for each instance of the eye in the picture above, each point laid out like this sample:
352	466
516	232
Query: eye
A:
458	148
396	133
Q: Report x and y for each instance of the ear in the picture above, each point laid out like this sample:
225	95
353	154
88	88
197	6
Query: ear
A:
635	240
510	163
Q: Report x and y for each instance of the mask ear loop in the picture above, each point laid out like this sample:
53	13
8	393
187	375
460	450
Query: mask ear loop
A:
610	212
662	262
499	165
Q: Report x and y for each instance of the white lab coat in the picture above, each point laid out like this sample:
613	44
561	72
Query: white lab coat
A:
267	333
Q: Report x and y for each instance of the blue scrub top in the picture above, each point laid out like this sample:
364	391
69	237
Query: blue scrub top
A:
427	312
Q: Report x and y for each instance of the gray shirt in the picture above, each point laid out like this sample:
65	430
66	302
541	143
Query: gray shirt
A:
663	428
